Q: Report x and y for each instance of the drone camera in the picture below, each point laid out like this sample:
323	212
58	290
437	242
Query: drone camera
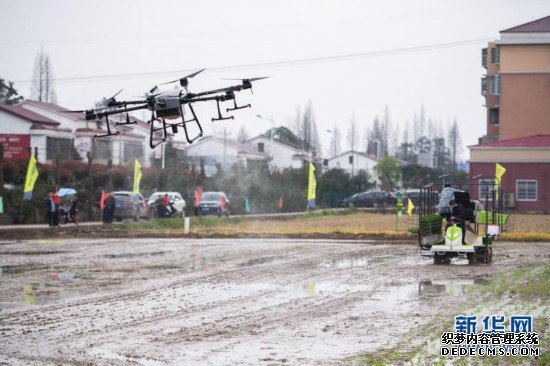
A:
174	129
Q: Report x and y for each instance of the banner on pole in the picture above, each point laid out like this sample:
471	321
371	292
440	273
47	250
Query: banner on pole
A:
137	176
311	186
30	180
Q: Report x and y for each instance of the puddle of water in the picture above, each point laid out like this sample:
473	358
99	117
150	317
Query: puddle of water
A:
345	263
452	287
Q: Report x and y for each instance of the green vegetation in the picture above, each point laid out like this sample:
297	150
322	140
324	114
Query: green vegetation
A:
525	290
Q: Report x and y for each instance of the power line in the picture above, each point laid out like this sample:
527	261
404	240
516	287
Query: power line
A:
294	62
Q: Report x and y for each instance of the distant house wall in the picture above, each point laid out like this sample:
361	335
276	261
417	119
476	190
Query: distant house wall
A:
540	172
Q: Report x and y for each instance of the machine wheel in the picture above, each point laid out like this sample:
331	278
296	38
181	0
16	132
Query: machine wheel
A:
472	258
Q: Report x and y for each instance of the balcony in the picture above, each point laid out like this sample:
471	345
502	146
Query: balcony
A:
487	138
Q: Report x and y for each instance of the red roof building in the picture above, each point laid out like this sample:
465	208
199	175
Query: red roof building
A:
526	183
22	129
517	97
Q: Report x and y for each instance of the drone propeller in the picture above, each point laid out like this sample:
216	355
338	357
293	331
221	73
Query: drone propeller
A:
113	97
87	110
248	79
183	81
184	78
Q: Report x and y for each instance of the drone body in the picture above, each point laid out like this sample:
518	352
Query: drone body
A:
170	105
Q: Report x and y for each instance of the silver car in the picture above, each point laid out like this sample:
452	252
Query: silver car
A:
175	197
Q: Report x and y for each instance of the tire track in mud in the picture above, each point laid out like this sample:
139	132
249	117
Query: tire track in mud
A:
201	300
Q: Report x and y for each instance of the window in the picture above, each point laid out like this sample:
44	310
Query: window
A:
484	57
494	116
102	149
484	86
526	190
56	145
132	150
495	85
351	159
486	189
260	147
495	55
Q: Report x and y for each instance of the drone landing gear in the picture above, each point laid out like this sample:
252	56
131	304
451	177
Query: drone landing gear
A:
184	123
236	106
154	129
109	133
127	122
220	117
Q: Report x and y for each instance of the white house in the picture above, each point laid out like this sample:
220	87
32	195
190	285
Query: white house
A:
213	150
352	162
132	143
281	154
21	129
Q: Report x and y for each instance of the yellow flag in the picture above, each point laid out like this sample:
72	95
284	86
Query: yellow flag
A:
410	207
311	186
137	176
499	172
30	180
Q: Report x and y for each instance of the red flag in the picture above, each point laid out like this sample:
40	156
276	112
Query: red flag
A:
102	199
281	202
198	196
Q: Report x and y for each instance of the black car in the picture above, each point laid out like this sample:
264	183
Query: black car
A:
369	199
214	203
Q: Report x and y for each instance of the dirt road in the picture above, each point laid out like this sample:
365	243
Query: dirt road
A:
221	302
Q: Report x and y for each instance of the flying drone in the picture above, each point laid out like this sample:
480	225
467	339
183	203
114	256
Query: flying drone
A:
170	105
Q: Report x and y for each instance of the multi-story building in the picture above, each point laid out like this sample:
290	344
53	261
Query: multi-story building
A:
516	88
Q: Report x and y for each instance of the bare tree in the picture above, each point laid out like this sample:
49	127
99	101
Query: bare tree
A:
454	142
43	79
374	146
242	135
387	137
335	142
353	134
308	132
419	124
365	140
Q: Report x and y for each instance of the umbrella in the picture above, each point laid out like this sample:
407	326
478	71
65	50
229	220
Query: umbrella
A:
66	192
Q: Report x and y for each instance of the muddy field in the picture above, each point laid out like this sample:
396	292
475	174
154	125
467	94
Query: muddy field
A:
224	301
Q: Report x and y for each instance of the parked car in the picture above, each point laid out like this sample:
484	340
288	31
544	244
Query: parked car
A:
215	203
369	199
129	206
414	195
175	197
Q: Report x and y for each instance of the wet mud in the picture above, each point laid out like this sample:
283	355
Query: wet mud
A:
223	301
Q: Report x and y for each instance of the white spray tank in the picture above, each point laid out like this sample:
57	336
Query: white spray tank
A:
453	237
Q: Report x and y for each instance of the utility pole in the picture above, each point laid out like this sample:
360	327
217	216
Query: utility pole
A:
90	156
224	145
1	169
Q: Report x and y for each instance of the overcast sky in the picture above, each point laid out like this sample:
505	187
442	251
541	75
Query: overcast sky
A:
154	40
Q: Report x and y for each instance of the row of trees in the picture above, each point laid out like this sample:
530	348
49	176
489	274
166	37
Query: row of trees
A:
381	137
